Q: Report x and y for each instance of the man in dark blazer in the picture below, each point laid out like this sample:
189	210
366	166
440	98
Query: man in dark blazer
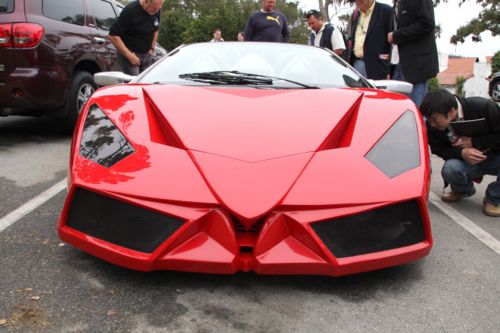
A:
415	41
371	22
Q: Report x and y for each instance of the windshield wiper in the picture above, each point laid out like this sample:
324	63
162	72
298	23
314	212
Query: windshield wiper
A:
237	78
226	77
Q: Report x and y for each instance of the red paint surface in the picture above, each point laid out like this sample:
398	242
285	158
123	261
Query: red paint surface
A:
268	158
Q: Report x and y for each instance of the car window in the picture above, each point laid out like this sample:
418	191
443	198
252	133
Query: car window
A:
103	13
69	11
305	64
6	6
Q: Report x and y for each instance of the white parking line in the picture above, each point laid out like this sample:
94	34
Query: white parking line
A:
467	224
31	205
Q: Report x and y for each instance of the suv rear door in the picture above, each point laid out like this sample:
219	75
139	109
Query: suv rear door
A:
102	14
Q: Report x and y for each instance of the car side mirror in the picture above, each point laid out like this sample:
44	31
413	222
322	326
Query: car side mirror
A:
111	78
401	87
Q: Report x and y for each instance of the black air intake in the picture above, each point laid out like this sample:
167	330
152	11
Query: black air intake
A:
373	231
119	223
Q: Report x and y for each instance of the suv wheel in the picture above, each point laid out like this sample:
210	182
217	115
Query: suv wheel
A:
82	87
495	91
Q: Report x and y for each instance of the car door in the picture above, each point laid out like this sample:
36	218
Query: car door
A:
102	15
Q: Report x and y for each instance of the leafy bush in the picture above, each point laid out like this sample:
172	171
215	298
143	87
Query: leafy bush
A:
459	86
433	84
495	62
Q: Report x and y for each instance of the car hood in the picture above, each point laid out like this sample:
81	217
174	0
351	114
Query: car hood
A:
251	147
249	124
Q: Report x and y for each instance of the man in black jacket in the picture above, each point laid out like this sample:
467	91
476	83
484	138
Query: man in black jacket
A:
415	41
467	158
371	23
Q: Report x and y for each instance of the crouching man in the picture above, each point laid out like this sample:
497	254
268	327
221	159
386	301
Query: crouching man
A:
470	156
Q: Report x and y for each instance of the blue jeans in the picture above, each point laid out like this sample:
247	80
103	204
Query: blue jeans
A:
419	89
359	65
460	174
130	69
398	73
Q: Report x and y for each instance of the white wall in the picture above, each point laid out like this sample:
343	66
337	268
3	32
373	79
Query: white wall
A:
478	85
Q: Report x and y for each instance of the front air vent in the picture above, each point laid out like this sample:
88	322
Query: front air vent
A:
161	131
377	230
120	223
341	136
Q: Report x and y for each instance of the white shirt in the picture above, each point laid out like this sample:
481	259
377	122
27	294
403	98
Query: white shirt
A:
337	40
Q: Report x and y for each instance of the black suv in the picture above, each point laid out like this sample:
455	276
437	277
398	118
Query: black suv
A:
49	51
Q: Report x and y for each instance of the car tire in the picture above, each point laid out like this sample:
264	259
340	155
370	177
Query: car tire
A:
81	88
495	91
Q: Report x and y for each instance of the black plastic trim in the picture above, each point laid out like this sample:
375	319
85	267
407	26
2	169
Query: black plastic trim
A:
118	222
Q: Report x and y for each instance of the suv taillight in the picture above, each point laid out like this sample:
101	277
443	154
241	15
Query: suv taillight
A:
5	37
20	35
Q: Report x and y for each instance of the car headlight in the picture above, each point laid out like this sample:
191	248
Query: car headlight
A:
102	142
398	150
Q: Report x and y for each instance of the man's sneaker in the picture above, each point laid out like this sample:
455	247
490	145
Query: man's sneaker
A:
490	209
455	196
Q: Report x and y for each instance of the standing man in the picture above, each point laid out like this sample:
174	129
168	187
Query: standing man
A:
371	23
134	34
415	41
267	25
217	36
467	158
324	35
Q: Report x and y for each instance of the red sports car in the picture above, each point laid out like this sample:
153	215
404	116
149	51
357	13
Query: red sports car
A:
227	157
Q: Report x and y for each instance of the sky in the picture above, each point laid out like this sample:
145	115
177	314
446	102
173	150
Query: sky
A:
450	16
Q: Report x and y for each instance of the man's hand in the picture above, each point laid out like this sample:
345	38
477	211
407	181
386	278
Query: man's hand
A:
133	59
389	38
472	155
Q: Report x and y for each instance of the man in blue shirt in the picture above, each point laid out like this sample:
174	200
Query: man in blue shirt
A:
267	25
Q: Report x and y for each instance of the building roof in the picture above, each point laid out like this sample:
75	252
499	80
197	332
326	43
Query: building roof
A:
457	67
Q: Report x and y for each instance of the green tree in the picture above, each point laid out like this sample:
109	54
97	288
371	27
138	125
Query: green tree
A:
459	86
488	19
433	84
495	62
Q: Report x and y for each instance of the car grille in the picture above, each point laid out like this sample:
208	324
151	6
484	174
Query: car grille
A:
372	231
118	222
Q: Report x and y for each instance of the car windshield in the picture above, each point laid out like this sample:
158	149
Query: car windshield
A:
255	64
